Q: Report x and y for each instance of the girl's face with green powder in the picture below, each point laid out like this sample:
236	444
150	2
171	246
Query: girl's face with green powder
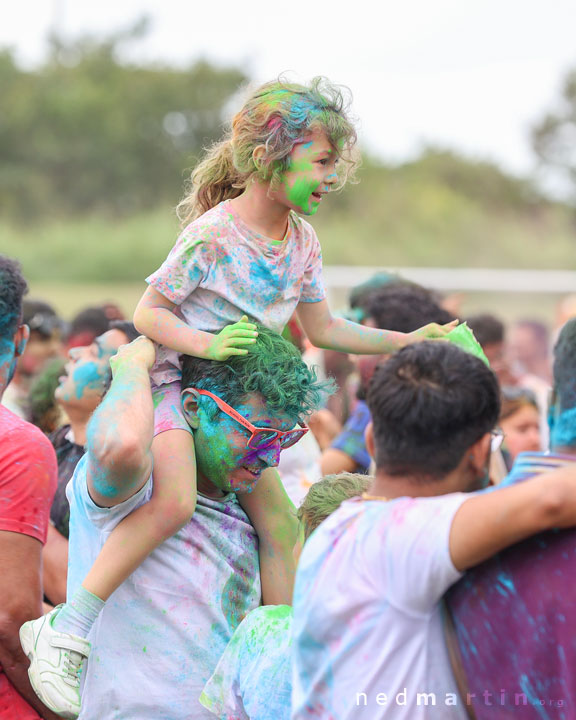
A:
311	174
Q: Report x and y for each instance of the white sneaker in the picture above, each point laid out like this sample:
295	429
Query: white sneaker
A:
56	661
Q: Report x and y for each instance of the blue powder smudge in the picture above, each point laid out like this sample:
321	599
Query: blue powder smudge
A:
563	428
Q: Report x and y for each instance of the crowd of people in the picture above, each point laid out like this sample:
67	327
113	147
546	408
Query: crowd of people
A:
239	505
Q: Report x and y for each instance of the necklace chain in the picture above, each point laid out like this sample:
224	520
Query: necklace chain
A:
366	496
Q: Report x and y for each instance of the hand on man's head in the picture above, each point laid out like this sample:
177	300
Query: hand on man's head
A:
141	351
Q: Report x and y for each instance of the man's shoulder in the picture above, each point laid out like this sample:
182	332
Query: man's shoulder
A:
265	633
16	433
267	616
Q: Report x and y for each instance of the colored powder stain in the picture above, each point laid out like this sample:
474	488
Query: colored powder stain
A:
532	697
144	649
563	429
505	584
87	377
300	193
464	338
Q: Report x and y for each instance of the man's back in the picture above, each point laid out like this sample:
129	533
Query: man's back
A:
515	619
162	632
368	637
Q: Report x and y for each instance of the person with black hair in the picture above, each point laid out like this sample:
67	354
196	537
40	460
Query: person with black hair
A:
86	326
44	344
368	622
27	485
515	615
399	306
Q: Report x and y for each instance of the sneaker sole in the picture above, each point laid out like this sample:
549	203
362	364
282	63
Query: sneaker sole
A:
27	641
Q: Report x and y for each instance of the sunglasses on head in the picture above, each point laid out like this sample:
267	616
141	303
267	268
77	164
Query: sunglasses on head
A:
260	438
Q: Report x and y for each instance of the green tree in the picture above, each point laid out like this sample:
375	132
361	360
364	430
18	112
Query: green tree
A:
88	132
554	136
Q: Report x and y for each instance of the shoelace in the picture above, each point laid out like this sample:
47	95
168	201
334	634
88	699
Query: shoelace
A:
73	668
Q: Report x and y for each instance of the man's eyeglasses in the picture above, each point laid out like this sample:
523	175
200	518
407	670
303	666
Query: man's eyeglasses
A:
260	438
496	440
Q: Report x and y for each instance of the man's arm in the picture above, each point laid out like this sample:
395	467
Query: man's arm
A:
490	522
20	601
121	430
336	461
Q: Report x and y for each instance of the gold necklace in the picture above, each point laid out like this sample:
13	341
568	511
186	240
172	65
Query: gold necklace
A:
366	496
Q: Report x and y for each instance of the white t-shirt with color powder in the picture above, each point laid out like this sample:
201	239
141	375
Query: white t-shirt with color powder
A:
160	635
368	633
253	680
219	269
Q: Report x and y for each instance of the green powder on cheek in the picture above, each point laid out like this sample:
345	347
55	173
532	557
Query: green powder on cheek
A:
299	194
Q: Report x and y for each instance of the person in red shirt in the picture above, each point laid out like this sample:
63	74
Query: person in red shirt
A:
28	476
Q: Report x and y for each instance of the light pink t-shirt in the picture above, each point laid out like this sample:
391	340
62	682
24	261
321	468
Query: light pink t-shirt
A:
219	269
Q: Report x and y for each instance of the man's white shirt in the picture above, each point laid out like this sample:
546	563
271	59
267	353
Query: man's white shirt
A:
368	631
161	634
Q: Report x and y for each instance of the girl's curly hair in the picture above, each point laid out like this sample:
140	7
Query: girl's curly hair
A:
276	116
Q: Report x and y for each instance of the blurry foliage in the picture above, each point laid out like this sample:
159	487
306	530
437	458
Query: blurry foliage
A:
88	133
93	151
554	137
441	210
444	209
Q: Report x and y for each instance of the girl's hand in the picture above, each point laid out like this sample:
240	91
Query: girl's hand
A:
231	339
432	331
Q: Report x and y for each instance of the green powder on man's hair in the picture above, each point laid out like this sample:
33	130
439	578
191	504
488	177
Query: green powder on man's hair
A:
464	338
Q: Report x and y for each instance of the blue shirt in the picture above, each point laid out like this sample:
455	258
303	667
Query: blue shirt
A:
351	439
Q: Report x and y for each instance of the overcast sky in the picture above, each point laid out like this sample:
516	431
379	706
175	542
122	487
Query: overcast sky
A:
468	74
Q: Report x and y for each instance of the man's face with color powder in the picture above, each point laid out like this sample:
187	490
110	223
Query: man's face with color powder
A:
88	370
10	349
223	457
311	174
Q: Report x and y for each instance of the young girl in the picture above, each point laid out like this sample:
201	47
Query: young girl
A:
244	253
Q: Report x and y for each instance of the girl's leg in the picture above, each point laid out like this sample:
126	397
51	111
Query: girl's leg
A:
171	506
274	518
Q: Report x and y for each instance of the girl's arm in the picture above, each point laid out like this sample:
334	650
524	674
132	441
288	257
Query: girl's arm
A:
327	332
274	517
154	316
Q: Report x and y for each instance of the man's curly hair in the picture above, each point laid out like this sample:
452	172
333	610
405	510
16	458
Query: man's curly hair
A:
273	368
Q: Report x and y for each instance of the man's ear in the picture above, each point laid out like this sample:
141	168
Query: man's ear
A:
479	452
189	399
21	339
369	439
